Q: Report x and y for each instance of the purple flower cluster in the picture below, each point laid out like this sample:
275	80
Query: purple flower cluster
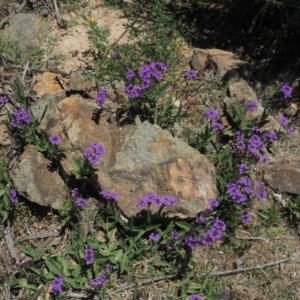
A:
146	201
213	203
108	268
154	236
116	55
243	169
88	254
264	159
195	297
13	196
283	121
79	201
191	74
21	117
130	74
213	232
212	114
290	131
286	90
57	285
153	71
270	137
174	235
246	218
93	153
109	195
101	96
3	100
251	105
217	127
99	281
243	189
255	145
55	139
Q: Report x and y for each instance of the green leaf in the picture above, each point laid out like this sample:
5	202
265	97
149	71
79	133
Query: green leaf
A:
183	225
53	266
36	255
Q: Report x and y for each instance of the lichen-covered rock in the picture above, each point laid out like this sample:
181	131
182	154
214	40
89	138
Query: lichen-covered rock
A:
35	180
284	178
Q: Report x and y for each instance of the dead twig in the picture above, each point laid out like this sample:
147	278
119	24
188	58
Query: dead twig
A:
24	73
57	14
228	272
5	262
10	243
37	236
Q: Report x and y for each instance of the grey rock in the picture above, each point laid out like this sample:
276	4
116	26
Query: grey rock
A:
284	178
35	180
29	30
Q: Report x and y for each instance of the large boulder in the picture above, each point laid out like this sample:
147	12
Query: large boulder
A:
139	158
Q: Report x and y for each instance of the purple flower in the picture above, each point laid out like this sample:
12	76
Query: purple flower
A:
259	184
255	144
290	131
256	129
243	169
109	195
80	202
264	159
3	100
13	196
246	218
55	139
212	114
251	105
133	91
130	74
57	285
271	136
219	224
195	297
158	65
147	200
74	193
216	127
261	195
116	55
101	96
245	181
283	121
21	117
191	242
93	153
206	240
168	201
108	268
174	235
215	234
239	135
88	254
99	281
191	74
154	237
200	220
213	203
240	145
286	90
